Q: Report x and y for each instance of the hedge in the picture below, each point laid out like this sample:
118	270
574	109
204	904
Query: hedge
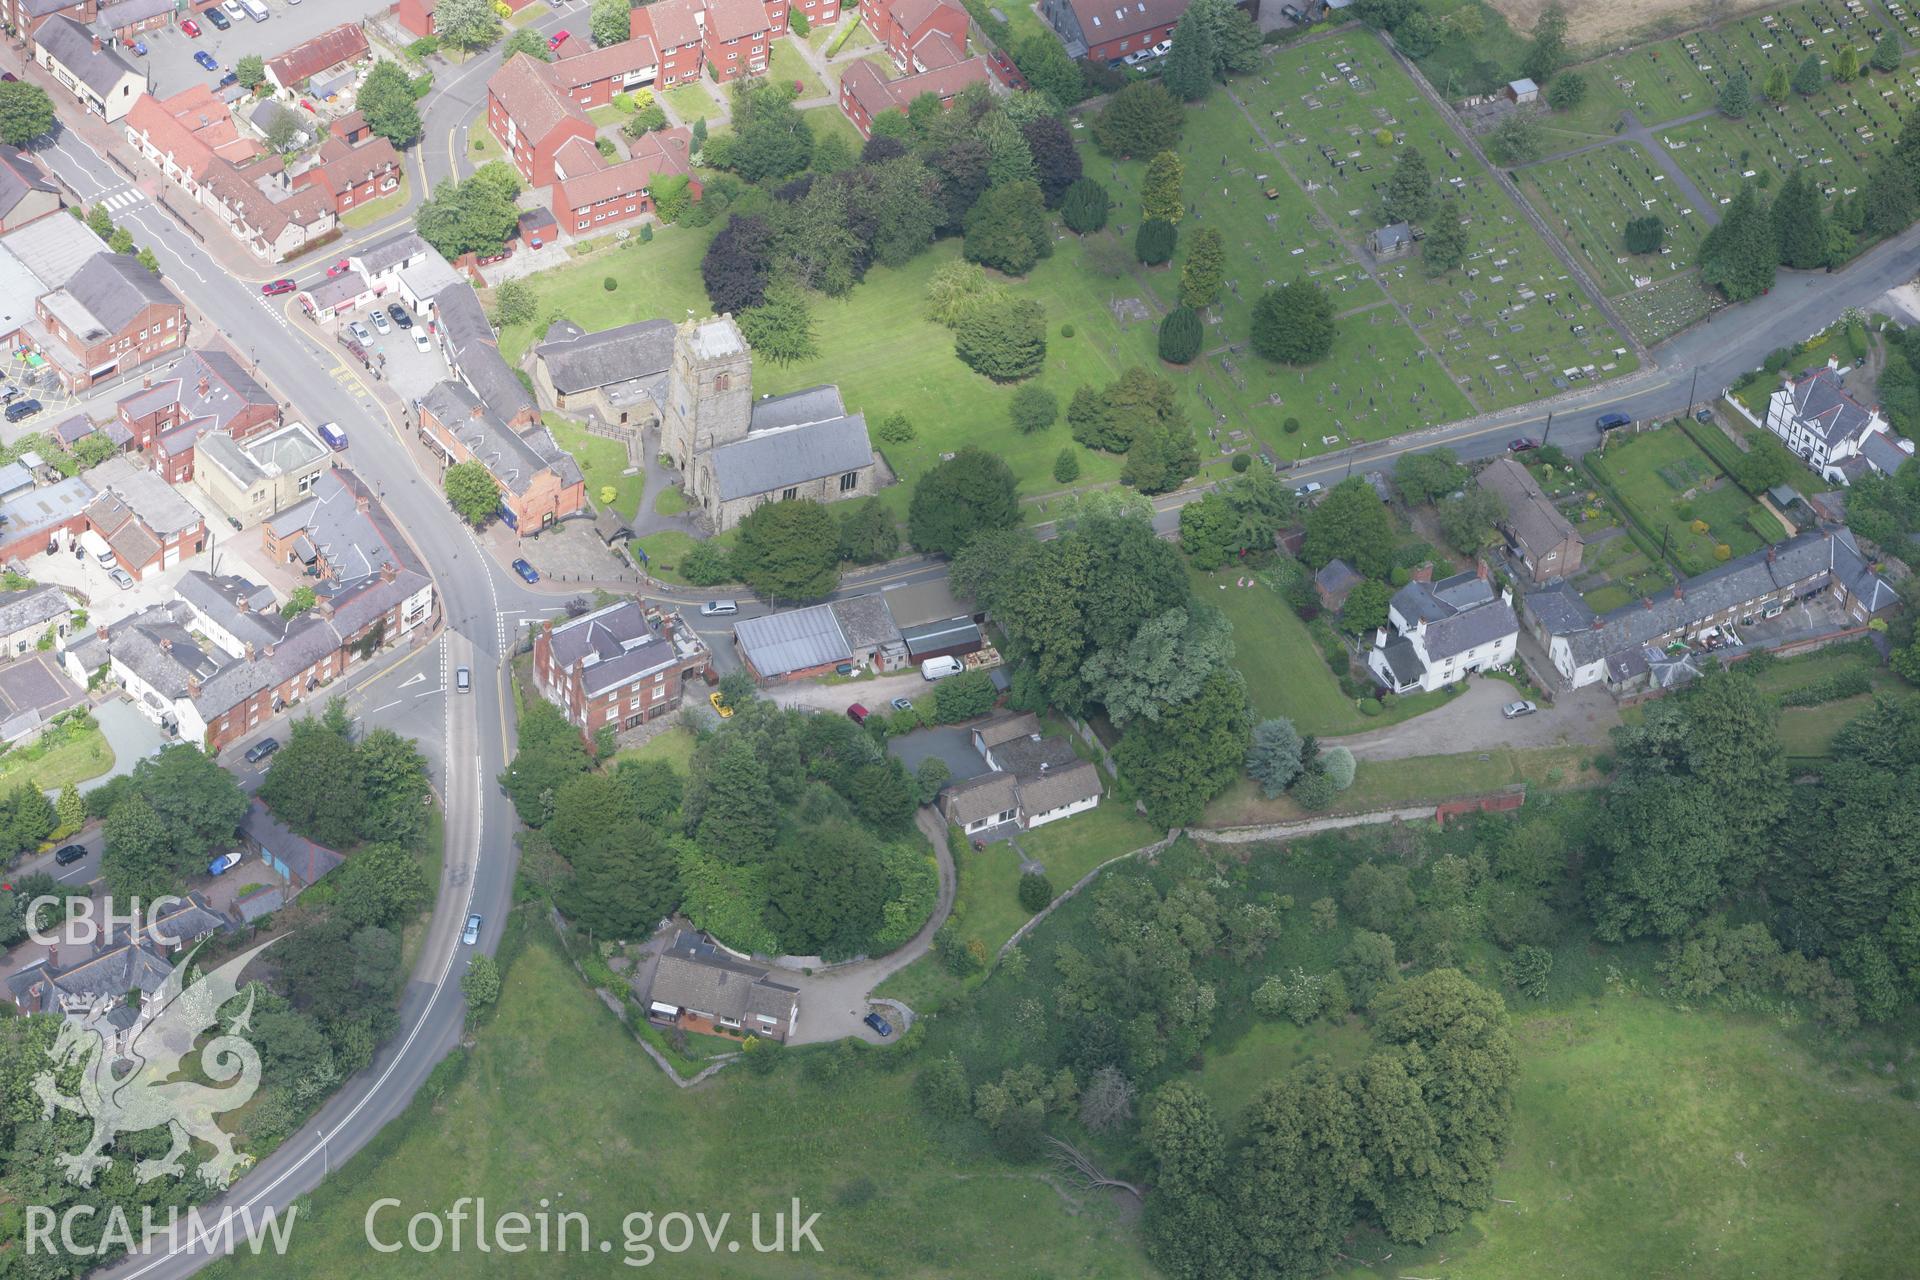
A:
1832	688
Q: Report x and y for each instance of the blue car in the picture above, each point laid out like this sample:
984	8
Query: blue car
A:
205	59
140	47
879	1024
526	571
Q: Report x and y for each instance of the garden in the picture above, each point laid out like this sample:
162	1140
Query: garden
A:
1681	500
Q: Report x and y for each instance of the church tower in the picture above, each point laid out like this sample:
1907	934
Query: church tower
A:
709	391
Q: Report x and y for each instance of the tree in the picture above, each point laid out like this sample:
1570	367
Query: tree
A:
730	807
1033	408
1548	51
252	70
1777	84
1428	475
1056	160
826	891
1885	55
1409	196
1468	518
1190	753
968	494
314	785
1035	891
738	263
611	21
1645	234
475	216
148	259
471	491
1273	758
1736	96
121	241
386	99
382	884
1008	228
527	41
284	129
868	532
1166	663
931	777
770	139
1161	457
1004	338
470	24
1294	323
393	775
624	881
99	218
1153	242
1799	225
1106	1103
1009	159
71	808
1846	64
1807	77
1044	63
1366	606
515	302
137	859
1160	198
1187	71
1350	524
1445	246
955	289
549	755
1066	467
1084	207
789	550
1180	335
1516	140
781	326
1142	119
480	984
1204	270
1568	90
1739	256
26	112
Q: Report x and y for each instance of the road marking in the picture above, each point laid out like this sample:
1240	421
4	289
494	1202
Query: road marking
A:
418	677
382	707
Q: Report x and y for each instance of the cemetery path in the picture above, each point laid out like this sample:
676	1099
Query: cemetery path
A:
1646	135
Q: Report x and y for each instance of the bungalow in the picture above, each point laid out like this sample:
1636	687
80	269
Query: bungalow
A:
300	861
1033	779
698	986
1439	632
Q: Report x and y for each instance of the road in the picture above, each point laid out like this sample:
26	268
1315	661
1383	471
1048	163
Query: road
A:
475	596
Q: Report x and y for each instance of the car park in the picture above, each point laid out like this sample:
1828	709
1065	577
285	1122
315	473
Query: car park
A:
421	342
121	579
398	314
70	854
881	1027
718	608
527	572
471	935
720	706
262	749
274	288
191	27
359	332
858	713
378	319
1514	710
1522	444
219	20
205	59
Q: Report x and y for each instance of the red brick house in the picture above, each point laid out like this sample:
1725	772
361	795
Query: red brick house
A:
539	482
114	315
24	17
1104	30
532	117
353	175
350	128
919	35
204	391
865	93
674	28
417	15
333	48
592	192
612	668
592	76
731	36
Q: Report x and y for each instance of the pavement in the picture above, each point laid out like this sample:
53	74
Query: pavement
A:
1472	722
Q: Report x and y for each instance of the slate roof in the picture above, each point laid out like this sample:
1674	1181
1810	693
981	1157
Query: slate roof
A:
1559	610
19	178
917	603
1470	628
865	622
1065	782
114	288
71	45
932	637
1403	661
611	647
1432	601
389	252
1886	456
792	641
476	352
1391	236
981	797
1531	516
32	607
370	567
1820	401
508	457
1006	727
231	390
694	975
111	973
307	860
249	907
770	459
590	360
1336	578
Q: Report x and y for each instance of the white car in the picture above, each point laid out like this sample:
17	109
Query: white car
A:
1162	49
1308	489
359	332
1514	710
421	342
380	321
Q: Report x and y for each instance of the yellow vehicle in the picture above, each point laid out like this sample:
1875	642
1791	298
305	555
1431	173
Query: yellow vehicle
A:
720	704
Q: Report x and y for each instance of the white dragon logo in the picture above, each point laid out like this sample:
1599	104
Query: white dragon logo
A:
147	1096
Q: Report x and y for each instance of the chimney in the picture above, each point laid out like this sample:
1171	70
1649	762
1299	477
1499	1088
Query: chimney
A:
193	686
362	502
204	386
100	630
1679	592
166	644
1480	568
249	651
1379	637
240	601
1769	555
1420	626
476	411
1647	601
96	43
270	649
387	572
1424	573
146	382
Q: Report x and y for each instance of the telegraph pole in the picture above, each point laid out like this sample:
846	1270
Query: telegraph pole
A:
1690	387
1546	432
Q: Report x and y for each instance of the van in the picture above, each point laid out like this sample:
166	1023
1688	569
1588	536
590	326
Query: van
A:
941	668
96	546
335	438
254	9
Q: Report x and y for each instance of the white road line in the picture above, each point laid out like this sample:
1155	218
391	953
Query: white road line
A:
382	707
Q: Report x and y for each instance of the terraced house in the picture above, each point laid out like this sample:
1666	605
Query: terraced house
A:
103	81
539	481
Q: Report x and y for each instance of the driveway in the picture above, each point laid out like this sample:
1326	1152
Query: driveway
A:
1472	722
132	736
873	693
949	743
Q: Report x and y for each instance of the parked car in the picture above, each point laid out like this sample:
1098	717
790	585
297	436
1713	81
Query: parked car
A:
205	59
339	268
359	332
879	1024
262	749
472	933
421	342
940	668
557	39
1522	444
274	288
1292	14
1308	489
1612	421
903	704
1514	710
398	314
1703	415
463	680
718	608
1162	49
122	579
858	713
227	79
191	27
220	21
20	410
69	854
354	349
378	319
140	48
720	706
526	571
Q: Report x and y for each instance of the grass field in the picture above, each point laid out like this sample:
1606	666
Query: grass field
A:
1387	784
365	215
675	746
830	121
785	65
691	102
1655	472
601	461
84	756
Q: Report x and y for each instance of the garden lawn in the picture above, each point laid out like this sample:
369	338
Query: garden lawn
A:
690	102
602	462
657	278
675	746
1653	471
665	549
76	760
482	146
786	66
826	122
557	1101
857	38
365	215
1388	784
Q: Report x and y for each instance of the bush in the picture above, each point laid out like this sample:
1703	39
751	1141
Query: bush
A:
895	428
1291	426
1241	461
1036	891
1066	467
1314	792
1066	331
1369	706
1181	334
1033	409
1339	766
707	565
609	284
1153	243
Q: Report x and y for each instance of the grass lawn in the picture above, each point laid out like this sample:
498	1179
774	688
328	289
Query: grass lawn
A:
607	117
1655	472
482	146
556	1101
785	65
84	756
532	13
675	746
372	211
1387	784
665	549
1286	676
602	462
670	501
658	278
826	122
690	102
855	33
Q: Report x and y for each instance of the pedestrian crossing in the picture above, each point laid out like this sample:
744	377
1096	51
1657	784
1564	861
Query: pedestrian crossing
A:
124	198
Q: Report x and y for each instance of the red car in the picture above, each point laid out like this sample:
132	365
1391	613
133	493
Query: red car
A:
273	288
337	269
191	27
557	39
857	713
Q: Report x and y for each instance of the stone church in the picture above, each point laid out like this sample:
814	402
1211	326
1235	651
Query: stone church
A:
735	453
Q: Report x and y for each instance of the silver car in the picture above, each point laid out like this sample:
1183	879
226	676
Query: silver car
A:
472	935
359	332
380	321
1514	710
